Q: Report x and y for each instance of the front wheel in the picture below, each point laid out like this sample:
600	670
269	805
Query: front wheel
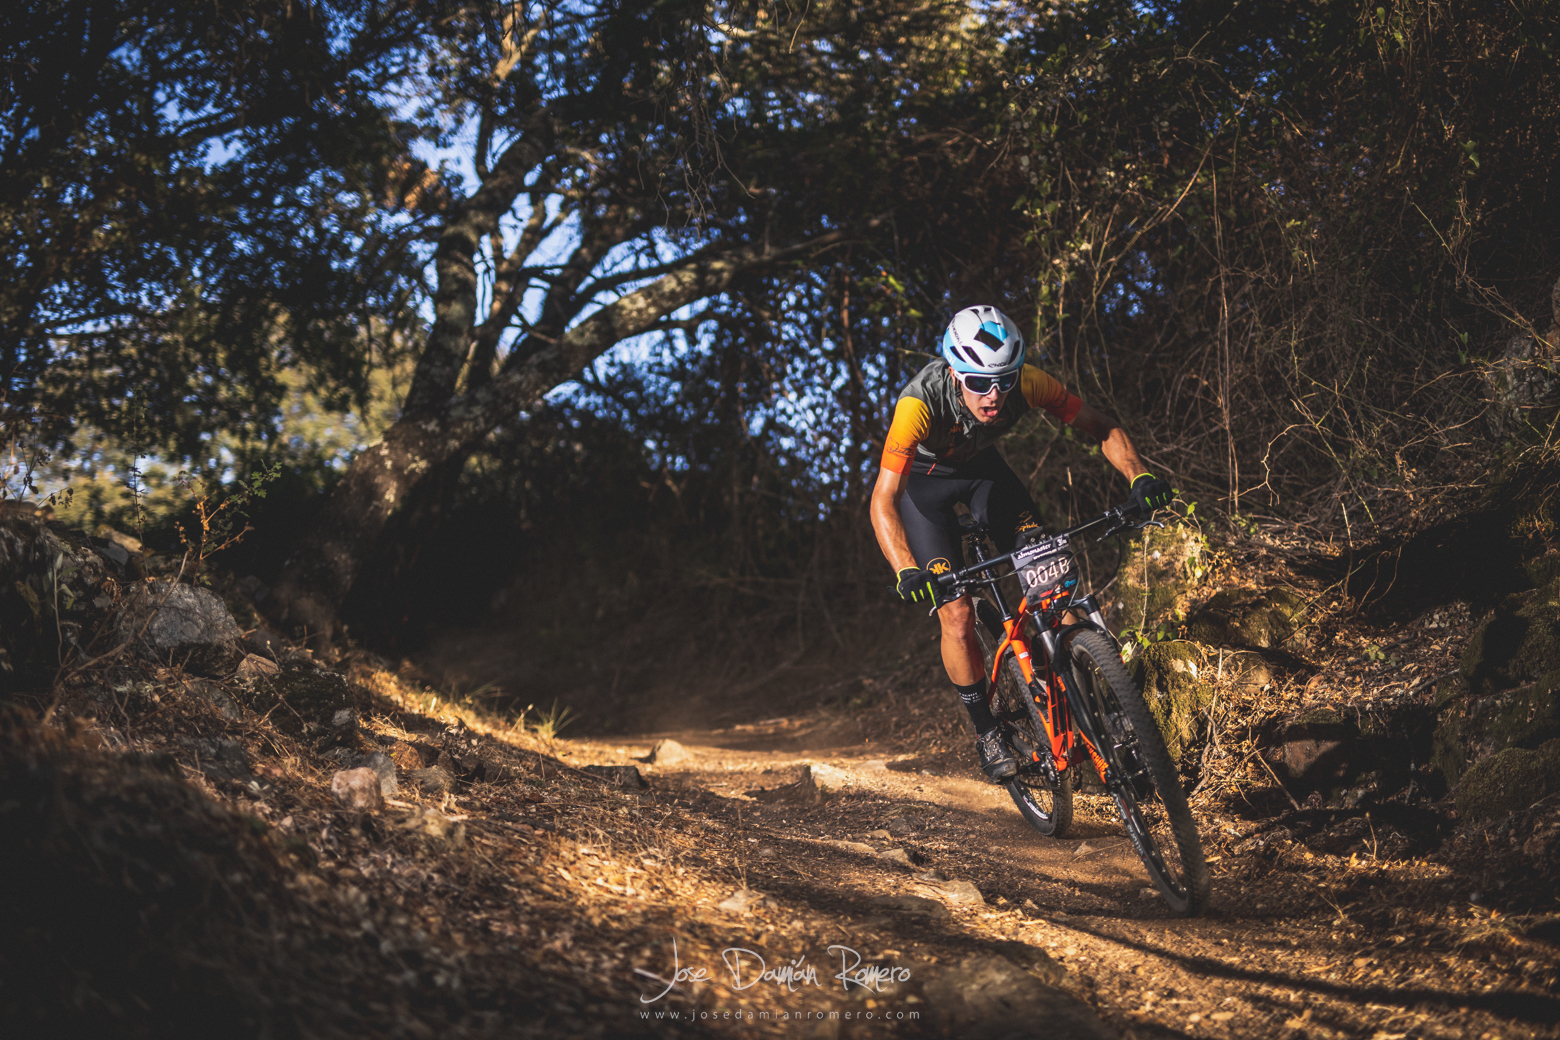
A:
1047	807
1162	829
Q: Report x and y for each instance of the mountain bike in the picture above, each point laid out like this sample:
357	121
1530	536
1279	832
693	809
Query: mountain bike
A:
1065	701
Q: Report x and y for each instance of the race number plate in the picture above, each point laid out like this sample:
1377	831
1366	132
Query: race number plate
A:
1043	565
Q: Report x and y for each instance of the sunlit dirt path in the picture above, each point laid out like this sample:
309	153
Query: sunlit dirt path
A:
1295	943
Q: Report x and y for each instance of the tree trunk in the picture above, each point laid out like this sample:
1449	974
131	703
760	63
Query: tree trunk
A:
307	598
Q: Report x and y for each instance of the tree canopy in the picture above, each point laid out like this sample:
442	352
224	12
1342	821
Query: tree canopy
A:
1289	243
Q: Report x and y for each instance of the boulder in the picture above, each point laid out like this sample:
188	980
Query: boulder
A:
1507	691
357	790
1260	618
1158	576
182	625
1517	645
1170	675
1471	728
1509	780
1312	751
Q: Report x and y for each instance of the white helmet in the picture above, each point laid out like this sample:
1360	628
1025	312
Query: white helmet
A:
983	341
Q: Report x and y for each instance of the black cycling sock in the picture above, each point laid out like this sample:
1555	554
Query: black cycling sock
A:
974	698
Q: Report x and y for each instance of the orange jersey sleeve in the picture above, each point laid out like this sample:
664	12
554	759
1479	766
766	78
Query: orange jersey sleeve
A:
1045	391
912	420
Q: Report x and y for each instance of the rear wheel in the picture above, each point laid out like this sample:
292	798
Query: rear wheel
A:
1047	807
1150	799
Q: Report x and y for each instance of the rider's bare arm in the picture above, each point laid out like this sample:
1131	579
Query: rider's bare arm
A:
1114	441
886	524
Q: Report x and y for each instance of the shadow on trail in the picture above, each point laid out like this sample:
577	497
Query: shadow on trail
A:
1514	1005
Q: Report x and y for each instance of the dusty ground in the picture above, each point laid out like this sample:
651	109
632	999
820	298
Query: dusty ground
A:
540	896
1297	943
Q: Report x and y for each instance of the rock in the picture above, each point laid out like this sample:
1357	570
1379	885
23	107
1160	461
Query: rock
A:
1084	849
434	780
1158	576
218	759
1517	646
434	827
1471	728
899	858
181	625
853	846
989	996
118	539
357	790
668	753
931	874
408	757
253	666
619	776
745	901
1169	674
1509	780
1247	618
213	693
1313	751
915	906
382	766
899	827
961	893
826	778
803	792
768	853
881	835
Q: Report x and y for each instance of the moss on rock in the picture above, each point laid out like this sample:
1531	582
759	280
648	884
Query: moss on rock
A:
1160	573
1509	780
1517	645
1170	676
1247	618
1472	728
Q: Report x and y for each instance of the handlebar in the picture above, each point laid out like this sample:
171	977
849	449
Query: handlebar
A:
1121	518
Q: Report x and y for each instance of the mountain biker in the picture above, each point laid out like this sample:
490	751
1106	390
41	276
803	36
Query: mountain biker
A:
941	450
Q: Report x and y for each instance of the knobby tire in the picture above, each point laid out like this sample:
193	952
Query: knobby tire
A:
1164	834
1048	809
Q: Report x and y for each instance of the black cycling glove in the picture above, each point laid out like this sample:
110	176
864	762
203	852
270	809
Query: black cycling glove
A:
917	586
1151	493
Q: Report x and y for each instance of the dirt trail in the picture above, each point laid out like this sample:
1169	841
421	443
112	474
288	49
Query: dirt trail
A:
1297	943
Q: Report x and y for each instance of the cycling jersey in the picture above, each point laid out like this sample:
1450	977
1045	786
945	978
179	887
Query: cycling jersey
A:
932	428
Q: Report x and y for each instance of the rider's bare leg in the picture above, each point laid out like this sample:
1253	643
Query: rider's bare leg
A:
960	650
966	667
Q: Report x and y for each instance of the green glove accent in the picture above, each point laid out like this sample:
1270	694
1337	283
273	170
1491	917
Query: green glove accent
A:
916	585
1151	493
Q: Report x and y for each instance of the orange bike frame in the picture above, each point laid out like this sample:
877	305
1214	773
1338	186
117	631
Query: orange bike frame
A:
1065	740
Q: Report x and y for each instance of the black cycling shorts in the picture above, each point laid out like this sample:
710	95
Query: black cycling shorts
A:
991	490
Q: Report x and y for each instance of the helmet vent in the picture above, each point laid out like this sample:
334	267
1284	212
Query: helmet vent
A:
982	336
